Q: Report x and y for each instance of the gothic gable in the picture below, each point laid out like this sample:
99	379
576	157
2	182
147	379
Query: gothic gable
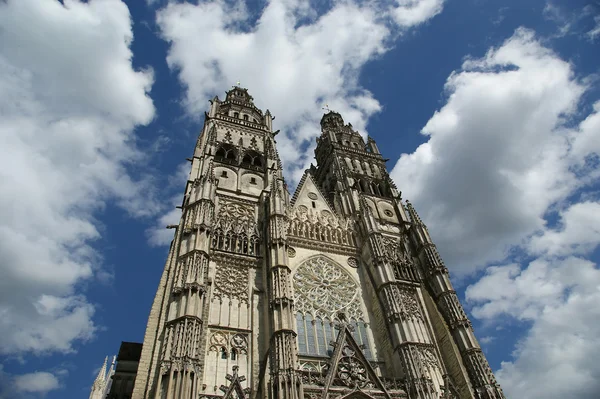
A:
309	195
350	367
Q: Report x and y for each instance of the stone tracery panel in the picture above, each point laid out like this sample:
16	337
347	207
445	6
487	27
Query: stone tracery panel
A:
236	228
231	282
324	289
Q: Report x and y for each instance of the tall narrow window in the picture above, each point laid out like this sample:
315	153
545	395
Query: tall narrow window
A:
329	336
223	353
301	333
321	342
310	335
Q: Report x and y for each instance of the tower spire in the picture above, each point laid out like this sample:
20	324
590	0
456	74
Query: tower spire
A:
101	377
99	385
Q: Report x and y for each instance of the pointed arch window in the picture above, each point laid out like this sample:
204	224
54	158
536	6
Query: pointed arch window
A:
252	159
226	153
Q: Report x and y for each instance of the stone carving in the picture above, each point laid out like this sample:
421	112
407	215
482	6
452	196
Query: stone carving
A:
312	196
235	228
291	252
353	262
409	303
394	250
351	371
428	360
320	226
231	282
254	144
182	338
324	289
191	268
395	253
228	340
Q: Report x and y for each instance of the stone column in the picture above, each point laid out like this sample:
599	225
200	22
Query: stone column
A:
284	382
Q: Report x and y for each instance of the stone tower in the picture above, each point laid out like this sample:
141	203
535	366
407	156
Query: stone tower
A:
103	382
336	292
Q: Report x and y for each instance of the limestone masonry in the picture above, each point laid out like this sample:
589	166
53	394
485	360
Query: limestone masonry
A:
335	292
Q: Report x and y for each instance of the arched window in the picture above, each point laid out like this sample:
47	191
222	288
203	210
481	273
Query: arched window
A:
226	153
234	354
236	115
252	159
245	117
223	353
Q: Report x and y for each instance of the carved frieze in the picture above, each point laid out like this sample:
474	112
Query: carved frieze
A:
321	227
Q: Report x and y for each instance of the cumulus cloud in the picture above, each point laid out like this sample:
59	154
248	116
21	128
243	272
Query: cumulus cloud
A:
290	55
497	156
69	101
579	235
503	152
559	297
38	382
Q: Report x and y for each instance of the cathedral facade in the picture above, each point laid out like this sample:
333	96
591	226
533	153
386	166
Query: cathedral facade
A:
336	291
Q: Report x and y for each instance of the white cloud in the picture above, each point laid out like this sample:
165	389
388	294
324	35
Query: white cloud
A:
496	157
283	59
69	101
501	154
40	382
595	32
159	235
414	12
559	296
291	55
580	234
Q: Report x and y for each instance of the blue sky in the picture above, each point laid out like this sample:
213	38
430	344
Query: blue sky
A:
489	112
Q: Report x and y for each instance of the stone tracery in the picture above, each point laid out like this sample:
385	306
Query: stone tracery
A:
323	290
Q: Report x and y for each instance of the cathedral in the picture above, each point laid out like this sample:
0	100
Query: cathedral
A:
336	291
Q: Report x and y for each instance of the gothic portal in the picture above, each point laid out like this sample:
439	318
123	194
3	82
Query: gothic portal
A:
335	292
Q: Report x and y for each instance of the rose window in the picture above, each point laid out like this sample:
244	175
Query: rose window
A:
323	289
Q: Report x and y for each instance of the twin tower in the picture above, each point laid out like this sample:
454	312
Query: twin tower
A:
334	292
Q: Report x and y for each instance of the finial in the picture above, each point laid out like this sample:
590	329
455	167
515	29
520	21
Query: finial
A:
326	108
237	84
